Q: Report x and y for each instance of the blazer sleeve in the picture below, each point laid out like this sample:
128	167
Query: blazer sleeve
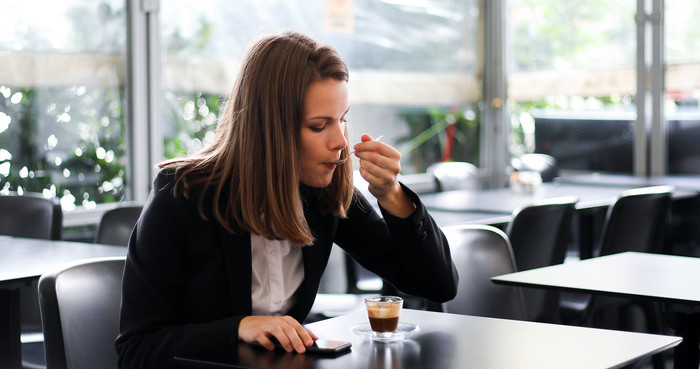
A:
412	253
151	328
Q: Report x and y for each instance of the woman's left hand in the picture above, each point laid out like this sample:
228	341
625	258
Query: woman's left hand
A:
380	166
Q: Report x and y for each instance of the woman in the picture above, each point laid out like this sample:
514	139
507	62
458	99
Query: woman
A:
233	240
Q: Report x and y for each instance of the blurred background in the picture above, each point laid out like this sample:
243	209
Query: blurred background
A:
94	93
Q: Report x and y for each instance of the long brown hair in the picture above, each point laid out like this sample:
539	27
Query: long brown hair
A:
254	156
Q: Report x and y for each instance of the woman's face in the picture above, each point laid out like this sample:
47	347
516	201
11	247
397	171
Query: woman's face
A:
322	131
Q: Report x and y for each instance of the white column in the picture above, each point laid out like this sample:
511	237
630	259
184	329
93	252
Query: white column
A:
495	126
650	145
144	137
658	139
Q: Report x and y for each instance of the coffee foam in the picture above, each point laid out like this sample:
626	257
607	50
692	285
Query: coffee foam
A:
381	312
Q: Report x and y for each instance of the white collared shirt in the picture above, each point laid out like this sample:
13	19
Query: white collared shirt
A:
278	271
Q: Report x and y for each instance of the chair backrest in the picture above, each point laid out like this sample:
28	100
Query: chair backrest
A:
362	281
80	314
637	221
116	225
544	164
454	175
30	215
481	252
539	234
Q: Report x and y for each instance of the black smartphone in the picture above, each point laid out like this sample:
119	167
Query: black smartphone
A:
319	346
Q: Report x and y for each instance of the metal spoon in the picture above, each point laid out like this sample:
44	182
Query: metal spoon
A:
342	161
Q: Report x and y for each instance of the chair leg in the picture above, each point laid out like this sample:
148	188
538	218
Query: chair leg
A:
434	306
652	311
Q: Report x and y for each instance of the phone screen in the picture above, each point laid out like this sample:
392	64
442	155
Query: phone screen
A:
329	346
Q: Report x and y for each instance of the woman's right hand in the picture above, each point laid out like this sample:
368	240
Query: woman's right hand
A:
285	329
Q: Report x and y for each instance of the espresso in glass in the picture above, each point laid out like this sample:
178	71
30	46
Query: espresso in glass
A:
383	313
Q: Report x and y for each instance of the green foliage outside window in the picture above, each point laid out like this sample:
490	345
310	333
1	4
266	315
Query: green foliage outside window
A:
64	142
430	134
192	119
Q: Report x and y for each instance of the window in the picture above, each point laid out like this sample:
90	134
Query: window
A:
61	100
572	82
682	78
412	67
416	69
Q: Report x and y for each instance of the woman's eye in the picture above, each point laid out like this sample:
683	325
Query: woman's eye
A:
316	128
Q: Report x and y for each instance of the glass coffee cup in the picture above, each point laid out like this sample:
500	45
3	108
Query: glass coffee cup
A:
383	313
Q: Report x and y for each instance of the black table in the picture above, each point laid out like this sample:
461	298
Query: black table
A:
450	341
590	209
665	278
681	182
505	201
24	259
446	218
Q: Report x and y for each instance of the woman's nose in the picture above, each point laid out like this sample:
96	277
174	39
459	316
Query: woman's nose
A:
338	140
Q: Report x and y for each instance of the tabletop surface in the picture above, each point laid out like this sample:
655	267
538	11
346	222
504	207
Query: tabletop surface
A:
685	182
446	218
22	258
505	201
666	278
459	341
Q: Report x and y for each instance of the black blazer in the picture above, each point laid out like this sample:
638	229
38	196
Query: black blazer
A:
187	281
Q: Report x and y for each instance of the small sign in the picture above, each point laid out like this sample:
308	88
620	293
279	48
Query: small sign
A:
339	16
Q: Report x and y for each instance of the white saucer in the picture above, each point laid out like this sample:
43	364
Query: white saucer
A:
404	330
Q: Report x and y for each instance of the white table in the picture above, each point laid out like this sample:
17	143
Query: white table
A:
664	278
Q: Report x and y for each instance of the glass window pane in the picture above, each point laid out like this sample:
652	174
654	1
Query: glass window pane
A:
411	64
572	82
682	79
61	100
682	31
571	35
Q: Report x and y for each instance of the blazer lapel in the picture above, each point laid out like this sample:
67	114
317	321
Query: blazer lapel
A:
315	260
237	258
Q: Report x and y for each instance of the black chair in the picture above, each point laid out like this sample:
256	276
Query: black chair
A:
116	225
454	175
481	252
636	221
539	234
362	281
544	164
80	313
31	215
